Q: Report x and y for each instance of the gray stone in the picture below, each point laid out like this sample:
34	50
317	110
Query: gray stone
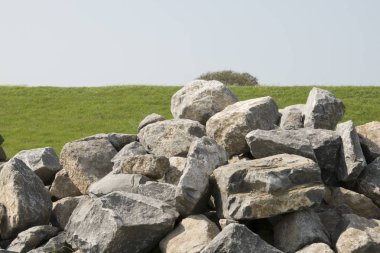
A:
117	140
292	117
369	135
56	244
190	236
131	149
230	126
63	187
200	99
148	165
32	238
316	248
205	155
87	161
369	181
119	222
62	210
26	201
160	191
237	238
43	161
266	187
150	119
170	137
323	110
298	229
174	173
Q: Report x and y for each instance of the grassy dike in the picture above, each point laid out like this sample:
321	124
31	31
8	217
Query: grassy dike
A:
32	117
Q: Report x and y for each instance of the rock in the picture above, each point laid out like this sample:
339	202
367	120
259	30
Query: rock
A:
87	161
359	235
56	244
150	119
174	173
352	158
160	191
237	238
225	222
369	135
200	99
26	201
266	187
131	149
230	126
3	156
369	181
117	140
148	165
298	229
359	204
32	238
62	210
63	187
190	236
119	222
316	248
170	137
204	156
43	161
323	110
292	117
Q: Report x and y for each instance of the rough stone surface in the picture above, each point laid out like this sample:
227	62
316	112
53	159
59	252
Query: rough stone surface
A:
230	126
26	201
150	119
117	140
170	137
369	181
56	244
369	135
43	161
87	161
205	155
119	222
190	236
298	229
63	187
237	238
323	110
131	149
160	191
200	99
266	187
148	165
292	117
32	238
174	173
352	158
316	248
62	210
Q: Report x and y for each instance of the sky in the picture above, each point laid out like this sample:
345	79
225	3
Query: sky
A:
171	42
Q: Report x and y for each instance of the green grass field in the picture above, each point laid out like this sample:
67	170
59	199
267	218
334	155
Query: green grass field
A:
32	117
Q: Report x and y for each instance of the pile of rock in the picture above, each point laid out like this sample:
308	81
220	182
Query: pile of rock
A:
222	176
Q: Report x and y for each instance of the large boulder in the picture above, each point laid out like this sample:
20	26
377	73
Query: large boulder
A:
23	195
200	99
119	222
150	119
43	161
63	187
230	126
131	149
170	137
87	161
266	187
318	247
369	181
237	238
323	110
190	236
62	210
292	117
370	139
148	165
205	155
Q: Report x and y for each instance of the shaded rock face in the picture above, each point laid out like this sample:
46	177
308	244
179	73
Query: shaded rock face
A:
292	117
267	187
56	244
369	181
230	126
150	119
62	210
176	168
370	139
323	110
63	187
133	223
170	137
200	99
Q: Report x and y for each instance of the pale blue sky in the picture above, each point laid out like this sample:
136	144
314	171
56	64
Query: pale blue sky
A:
283	42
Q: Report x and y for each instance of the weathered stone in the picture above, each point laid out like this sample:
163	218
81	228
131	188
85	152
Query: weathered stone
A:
230	126
298	229
352	160
266	187
369	181
87	161
117	140
359	204
205	155
323	110
148	165
56	244
26	201
238	158
43	161
131	149
292	117
200	99
150	119
316	248
3	156
32	238
192	235
160	191
119	222
174	173
170	137
63	187
62	210
369	135
237	238
225	222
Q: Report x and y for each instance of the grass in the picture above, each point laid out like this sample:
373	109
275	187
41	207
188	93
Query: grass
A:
32	117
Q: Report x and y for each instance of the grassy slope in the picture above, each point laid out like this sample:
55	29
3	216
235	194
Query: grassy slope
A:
33	117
